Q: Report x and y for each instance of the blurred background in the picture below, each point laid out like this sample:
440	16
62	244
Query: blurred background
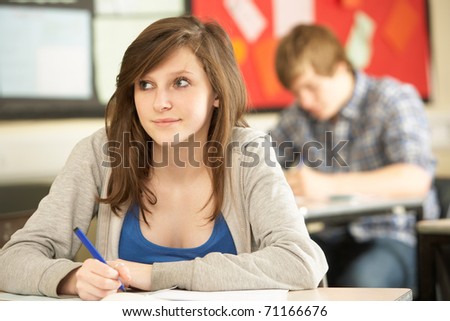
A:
59	61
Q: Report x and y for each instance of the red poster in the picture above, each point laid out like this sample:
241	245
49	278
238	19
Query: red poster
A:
399	44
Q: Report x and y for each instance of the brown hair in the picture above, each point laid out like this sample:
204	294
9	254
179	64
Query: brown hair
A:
308	44
212	46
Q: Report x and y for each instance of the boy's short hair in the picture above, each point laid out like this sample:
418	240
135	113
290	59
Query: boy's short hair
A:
308	44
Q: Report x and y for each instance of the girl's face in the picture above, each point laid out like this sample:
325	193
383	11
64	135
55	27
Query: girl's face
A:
175	99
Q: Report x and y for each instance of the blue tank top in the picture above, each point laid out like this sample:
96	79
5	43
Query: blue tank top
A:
133	246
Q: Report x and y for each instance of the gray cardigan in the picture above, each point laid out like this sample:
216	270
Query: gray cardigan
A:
273	244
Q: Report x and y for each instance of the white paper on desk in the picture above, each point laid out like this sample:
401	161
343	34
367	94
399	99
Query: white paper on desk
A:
168	294
182	295
245	295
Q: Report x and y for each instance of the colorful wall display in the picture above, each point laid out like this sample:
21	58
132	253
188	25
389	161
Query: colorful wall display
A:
382	37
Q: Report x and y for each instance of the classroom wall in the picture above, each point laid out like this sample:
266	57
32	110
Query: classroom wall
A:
439	111
35	150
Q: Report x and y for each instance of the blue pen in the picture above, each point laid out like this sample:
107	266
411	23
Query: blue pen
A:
91	248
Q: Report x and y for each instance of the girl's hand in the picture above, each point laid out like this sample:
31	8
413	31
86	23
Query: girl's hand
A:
139	274
94	280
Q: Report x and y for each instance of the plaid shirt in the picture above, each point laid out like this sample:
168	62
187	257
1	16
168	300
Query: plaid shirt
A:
383	123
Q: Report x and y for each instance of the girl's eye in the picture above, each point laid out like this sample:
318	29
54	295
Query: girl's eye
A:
181	82
144	85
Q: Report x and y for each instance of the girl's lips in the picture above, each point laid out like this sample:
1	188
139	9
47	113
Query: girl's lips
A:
166	121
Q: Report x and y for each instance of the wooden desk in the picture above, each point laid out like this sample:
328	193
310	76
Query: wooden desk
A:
346	210
433	236
352	294
319	294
